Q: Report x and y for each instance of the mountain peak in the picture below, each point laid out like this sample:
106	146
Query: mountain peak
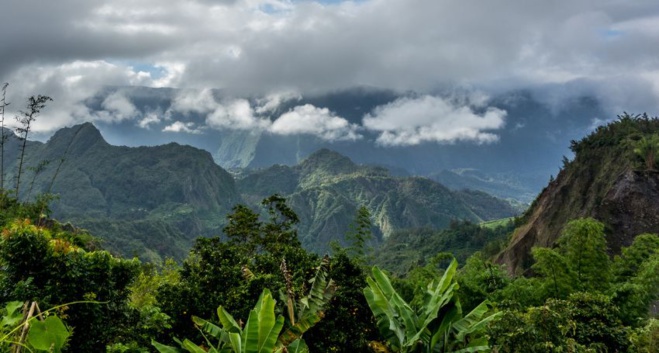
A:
327	161
77	138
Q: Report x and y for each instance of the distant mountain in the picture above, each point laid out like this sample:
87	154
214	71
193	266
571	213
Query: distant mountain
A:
606	181
152	202
327	188
529	150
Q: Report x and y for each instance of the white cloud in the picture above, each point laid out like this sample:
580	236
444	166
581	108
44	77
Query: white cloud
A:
237	115
180	126
197	101
411	121
117	107
148	120
71	85
273	100
307	119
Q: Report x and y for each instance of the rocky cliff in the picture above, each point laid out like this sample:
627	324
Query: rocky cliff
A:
606	180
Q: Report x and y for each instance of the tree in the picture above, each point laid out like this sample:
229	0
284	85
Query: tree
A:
25	119
359	235
3	134
52	266
584	246
647	149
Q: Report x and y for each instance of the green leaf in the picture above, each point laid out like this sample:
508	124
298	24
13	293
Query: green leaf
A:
191	347
13	316
165	348
208	327
48	335
228	321
262	328
298	346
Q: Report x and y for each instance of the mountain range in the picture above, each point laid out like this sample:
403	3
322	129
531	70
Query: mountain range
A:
152	202
527	150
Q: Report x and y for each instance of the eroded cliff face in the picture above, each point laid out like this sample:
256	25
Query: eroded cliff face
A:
605	181
630	208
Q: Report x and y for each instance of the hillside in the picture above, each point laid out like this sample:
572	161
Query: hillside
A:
606	181
327	188
147	201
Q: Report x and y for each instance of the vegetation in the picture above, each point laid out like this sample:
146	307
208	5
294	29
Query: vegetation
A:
575	298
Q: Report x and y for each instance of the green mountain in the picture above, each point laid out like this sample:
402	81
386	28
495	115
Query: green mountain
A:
147	201
153	201
327	188
608	180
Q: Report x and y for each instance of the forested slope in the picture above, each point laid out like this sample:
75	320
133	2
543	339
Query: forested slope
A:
327	188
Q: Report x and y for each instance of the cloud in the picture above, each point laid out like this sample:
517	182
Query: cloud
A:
411	121
197	101
236	115
307	119
179	126
70	49
148	120
273	100
116	107
72	86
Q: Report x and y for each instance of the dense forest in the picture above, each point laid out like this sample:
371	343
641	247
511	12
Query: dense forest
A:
255	288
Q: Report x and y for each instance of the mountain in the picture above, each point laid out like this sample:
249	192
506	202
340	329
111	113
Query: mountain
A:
149	201
606	180
152	202
529	147
327	188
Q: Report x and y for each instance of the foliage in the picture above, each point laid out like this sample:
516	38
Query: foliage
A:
584	322
263	332
348	324
259	334
20	329
234	272
647	150
359	235
645	339
584	246
438	325
50	266
413	248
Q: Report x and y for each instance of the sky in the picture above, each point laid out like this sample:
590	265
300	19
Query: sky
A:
278	50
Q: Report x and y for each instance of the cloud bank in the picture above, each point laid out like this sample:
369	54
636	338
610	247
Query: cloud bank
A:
72	49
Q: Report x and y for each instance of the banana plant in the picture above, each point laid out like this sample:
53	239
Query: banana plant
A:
263	330
437	326
311	308
258	336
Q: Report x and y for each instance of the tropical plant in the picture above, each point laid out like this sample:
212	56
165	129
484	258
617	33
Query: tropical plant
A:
30	329
309	309
260	334
262	325
437	326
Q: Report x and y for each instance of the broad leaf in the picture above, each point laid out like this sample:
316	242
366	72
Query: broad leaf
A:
48	335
